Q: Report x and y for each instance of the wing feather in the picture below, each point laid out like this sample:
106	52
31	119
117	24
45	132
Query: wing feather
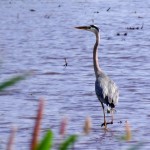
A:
106	90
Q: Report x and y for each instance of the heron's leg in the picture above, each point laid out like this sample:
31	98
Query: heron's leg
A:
112	117
104	124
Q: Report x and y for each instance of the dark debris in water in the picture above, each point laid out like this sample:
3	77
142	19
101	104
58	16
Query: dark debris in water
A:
136	27
125	34
30	117
32	10
96	12
47	16
51	73
140	17
108	9
122	34
120	122
118	34
66	63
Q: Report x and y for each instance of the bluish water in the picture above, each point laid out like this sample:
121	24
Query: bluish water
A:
39	40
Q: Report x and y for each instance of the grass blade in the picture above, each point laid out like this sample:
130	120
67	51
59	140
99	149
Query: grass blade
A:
68	142
11	82
47	141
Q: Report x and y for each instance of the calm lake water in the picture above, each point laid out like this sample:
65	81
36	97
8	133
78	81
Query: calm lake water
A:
37	35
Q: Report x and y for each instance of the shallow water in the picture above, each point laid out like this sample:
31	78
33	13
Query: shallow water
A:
39	40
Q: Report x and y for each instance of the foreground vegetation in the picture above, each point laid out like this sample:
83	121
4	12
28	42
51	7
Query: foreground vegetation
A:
47	142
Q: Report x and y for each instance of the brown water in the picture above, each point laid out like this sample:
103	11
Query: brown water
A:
39	41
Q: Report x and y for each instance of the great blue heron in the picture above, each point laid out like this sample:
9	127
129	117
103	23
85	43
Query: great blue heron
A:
105	88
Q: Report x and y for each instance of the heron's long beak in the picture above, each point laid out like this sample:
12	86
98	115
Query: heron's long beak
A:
82	27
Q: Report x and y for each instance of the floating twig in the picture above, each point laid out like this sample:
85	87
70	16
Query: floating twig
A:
140	17
108	9
66	64
142	26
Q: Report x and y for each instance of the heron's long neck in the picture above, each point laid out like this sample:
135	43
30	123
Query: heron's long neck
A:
97	68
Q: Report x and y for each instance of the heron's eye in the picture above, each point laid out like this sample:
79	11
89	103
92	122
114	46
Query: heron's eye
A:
91	27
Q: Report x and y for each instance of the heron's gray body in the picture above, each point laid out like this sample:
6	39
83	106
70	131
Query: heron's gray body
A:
106	90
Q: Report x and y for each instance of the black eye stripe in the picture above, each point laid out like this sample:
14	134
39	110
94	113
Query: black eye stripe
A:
95	27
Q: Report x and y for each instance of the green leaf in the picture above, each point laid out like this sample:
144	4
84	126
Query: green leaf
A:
46	142
11	82
68	142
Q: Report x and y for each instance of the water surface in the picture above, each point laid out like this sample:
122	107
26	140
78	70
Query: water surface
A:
37	36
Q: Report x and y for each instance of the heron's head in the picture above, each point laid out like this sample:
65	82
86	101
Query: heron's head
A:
91	28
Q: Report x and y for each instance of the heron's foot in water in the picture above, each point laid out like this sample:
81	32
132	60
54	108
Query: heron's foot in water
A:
103	124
